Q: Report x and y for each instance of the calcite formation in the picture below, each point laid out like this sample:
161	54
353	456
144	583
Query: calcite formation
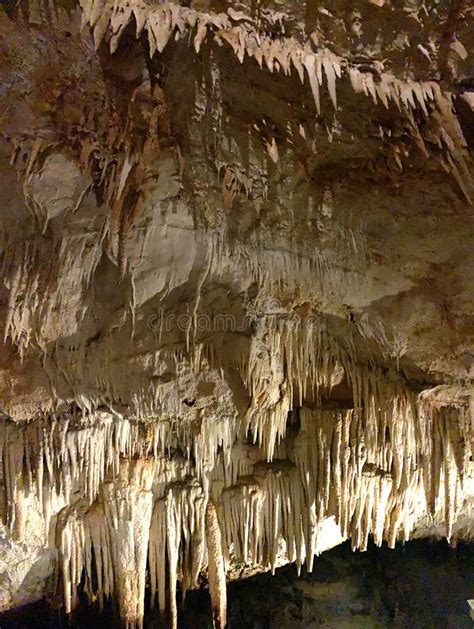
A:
236	291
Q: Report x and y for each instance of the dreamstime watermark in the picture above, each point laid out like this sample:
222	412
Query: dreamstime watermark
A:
160	322
166	322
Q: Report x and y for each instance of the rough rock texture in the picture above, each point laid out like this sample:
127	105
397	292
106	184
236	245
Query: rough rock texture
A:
236	253
400	588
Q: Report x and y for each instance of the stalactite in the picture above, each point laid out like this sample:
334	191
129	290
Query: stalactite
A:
116	494
156	555
164	485
216	568
128	503
281	54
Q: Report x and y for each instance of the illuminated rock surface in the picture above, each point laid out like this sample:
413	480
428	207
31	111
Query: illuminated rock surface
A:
237	290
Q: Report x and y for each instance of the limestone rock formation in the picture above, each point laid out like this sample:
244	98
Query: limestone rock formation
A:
236	294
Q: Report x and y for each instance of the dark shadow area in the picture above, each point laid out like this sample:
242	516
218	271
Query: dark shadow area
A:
421	584
418	585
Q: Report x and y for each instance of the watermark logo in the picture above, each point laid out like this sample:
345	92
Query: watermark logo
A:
166	322
160	322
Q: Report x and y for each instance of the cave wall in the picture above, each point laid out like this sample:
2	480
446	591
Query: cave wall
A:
236	297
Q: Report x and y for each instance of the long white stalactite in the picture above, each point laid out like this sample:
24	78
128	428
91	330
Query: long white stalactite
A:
258	491
216	567
170	457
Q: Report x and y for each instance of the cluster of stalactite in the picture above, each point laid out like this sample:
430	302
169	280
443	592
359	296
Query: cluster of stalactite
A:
116	496
153	496
168	21
424	109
